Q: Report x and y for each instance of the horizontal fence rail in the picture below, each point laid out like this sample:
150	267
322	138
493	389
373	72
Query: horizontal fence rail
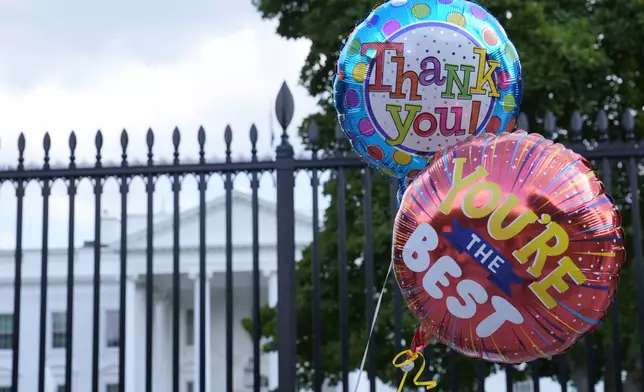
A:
612	158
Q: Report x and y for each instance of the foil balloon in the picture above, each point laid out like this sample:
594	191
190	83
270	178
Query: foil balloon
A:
507	248
419	75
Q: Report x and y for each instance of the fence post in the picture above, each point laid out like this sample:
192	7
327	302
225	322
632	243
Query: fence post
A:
286	321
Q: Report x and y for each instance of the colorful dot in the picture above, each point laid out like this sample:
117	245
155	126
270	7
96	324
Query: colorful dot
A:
511	124
445	1
340	74
412	174
503	80
352	98
373	21
493	125
420	10
359	72
509	103
401	158
390	26
490	37
375	152
510	52
354	46
456	18
478	12
366	127
398	3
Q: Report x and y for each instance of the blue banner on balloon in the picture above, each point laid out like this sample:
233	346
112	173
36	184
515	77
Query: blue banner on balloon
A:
420	75
464	239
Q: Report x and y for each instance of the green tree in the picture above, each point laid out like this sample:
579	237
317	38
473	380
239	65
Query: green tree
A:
576	55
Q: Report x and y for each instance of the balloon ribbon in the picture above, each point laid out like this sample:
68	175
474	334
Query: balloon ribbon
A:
408	364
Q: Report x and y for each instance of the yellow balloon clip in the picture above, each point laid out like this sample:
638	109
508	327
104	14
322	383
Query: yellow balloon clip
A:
407	365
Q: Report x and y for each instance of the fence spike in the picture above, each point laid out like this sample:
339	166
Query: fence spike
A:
339	134
46	145
228	138
602	125
550	124
72	149
284	107
313	132
98	143
125	140
176	138
576	126
201	137
628	123
149	140
253	141
72	142
253	134
21	150
523	123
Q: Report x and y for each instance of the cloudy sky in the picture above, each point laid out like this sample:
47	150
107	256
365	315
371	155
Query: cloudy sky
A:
87	65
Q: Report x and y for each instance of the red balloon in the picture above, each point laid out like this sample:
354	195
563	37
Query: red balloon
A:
507	248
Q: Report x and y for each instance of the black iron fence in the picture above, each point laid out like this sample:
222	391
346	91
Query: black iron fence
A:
618	161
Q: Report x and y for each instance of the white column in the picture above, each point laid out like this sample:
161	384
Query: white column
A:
161	346
130	334
197	335
273	359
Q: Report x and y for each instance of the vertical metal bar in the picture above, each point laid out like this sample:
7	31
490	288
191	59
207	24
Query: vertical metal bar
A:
176	278
616	357
286	320
229	282
393	208
480	376
17	283
44	263
369	273
534	370
509	376
256	313
637	248
98	189
149	266
122	284
563	373
202	282
590	366
69	333
176	284
317	307
341	183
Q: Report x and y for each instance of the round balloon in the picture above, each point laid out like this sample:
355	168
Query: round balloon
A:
419	75
507	248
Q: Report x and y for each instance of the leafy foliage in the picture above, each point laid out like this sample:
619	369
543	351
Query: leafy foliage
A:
576	55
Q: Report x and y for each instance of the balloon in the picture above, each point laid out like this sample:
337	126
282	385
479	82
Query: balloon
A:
507	248
420	75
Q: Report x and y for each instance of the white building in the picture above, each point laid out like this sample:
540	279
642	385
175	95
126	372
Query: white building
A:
135	324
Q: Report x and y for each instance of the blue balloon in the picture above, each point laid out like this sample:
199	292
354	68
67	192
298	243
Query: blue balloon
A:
419	75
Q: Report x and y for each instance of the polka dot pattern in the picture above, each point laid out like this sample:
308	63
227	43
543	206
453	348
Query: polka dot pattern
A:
375	152
456	18
503	80
421	10
354	47
373	21
509	103
401	158
398	3
390	27
359	72
352	98
366	127
478	12
490	37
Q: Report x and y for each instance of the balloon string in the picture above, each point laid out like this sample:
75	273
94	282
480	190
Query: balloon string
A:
373	325
408	365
